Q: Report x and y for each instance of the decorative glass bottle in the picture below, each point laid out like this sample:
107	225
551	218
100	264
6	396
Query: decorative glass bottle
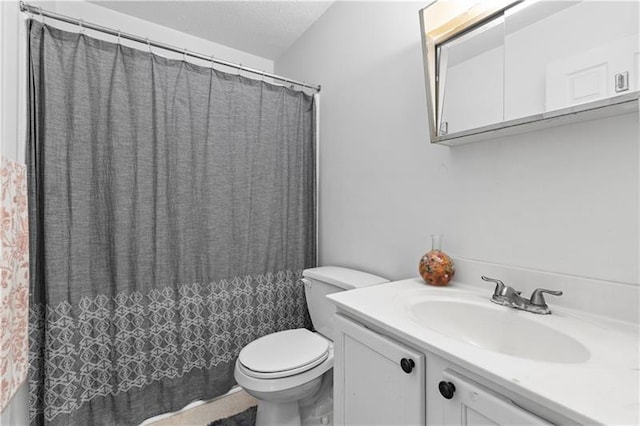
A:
436	267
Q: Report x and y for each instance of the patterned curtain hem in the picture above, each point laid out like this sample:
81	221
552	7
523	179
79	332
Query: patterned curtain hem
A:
161	335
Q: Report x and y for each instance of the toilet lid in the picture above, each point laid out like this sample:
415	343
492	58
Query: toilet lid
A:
284	353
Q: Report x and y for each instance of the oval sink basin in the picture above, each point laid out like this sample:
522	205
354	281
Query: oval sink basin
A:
499	329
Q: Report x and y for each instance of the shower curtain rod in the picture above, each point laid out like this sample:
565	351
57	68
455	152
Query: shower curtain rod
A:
25	7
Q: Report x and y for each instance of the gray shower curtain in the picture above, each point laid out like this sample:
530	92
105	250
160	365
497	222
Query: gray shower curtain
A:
172	209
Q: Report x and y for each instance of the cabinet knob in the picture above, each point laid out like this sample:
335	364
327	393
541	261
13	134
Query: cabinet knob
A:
407	365
447	389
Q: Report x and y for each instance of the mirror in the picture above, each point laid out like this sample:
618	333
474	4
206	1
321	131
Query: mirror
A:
470	78
565	53
498	65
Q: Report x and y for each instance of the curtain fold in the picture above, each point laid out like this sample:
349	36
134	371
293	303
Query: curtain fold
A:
172	210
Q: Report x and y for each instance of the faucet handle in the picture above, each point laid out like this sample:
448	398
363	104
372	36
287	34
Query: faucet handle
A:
499	285
537	297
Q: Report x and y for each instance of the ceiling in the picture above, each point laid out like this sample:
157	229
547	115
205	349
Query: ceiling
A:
264	28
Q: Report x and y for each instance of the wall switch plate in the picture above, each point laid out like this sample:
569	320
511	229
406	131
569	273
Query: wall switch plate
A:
622	81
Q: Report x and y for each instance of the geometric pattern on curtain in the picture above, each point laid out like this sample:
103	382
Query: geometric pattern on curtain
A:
172	210
146	348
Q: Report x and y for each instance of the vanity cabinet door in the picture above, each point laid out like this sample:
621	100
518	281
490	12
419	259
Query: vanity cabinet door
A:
377	381
472	405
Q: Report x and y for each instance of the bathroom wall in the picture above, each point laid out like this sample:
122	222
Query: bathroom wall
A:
13	88
560	200
12	65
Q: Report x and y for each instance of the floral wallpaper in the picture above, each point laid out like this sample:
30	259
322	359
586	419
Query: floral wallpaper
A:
14	278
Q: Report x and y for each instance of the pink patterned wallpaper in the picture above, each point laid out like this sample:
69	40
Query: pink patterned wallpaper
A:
14	278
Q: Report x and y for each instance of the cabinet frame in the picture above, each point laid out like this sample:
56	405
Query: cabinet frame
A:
413	384
471	399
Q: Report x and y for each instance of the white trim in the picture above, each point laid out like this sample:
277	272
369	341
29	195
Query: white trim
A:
316	99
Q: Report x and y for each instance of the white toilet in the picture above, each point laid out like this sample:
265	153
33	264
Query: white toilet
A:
290	372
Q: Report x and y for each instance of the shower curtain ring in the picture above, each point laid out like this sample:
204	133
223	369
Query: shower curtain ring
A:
184	55
41	15
149	45
80	23
118	36
213	59
239	70
263	73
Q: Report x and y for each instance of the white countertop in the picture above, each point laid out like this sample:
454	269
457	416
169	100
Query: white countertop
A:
604	389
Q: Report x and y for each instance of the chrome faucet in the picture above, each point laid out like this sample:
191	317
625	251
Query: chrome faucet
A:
508	296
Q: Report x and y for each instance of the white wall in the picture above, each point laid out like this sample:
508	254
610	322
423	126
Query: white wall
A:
116	20
561	200
13	88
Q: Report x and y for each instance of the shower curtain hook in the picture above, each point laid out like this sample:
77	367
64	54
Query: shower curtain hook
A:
263	73
118	36
149	45
80	23
213	58
239	70
184	55
41	15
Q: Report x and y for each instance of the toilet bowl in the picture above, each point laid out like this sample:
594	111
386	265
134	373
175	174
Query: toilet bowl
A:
282	369
290	372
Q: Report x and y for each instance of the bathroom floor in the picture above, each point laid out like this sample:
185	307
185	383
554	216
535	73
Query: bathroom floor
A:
204	414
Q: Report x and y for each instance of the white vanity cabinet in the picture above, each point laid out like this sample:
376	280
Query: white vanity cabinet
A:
450	336
380	381
377	381
470	404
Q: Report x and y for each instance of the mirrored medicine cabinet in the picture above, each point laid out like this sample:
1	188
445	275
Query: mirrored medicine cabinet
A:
497	67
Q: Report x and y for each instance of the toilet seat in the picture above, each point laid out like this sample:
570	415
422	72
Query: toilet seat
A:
283	354
256	386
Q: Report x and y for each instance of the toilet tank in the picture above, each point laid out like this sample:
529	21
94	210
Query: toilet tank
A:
324	280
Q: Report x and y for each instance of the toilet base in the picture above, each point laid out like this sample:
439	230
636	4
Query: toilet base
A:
310	404
278	413
318	411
